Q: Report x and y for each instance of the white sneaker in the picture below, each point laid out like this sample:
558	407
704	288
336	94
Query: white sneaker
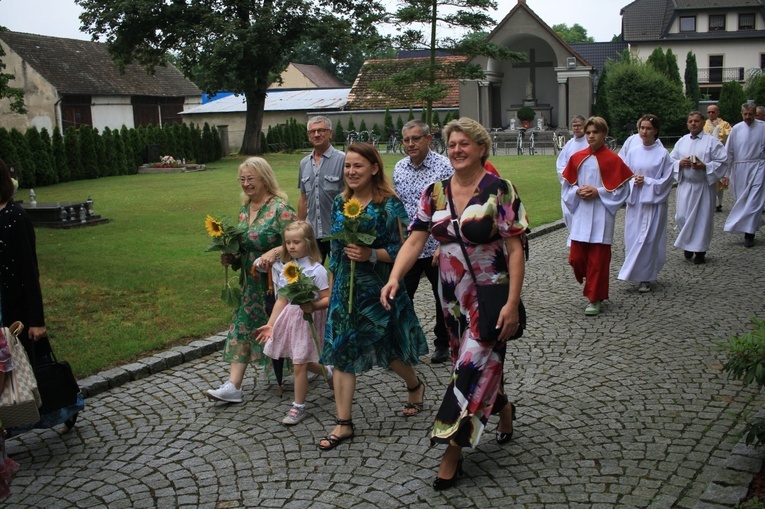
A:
592	309
227	392
294	416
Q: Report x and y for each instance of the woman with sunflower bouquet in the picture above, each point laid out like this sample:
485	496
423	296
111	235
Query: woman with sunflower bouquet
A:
263	216
367	231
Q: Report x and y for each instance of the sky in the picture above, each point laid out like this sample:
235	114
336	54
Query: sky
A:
59	18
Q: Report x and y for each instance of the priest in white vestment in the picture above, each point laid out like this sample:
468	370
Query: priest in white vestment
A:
645	223
699	162
746	163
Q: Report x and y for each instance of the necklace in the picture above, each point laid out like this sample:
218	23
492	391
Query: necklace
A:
255	208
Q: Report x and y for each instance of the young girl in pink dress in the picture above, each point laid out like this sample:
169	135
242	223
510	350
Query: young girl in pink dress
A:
287	334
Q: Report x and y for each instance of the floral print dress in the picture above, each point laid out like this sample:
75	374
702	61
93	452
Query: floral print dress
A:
371	335
494	213
264	233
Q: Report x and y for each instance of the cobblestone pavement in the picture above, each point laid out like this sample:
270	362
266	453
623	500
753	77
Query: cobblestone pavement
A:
628	409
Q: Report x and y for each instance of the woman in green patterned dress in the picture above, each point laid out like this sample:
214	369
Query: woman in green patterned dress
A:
264	214
369	335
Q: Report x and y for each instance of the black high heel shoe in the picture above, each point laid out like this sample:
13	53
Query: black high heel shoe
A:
503	438
444	484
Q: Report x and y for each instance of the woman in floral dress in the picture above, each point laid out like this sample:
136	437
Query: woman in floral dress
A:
264	214
368	335
492	222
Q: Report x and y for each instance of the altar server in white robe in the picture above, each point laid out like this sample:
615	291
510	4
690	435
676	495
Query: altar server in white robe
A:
575	144
746	163
594	189
699	162
645	223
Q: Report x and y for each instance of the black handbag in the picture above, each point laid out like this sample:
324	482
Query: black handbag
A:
56	381
491	298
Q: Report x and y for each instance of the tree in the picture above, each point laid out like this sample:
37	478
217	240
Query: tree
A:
15	95
341	60
732	96
692	90
658	60
673	71
633	89
755	88
419	80
388	122
238	45
577	33
58	151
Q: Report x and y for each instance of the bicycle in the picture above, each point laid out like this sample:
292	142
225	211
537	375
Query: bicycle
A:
494	140
394	144
350	137
519	140
559	140
611	143
436	143
532	138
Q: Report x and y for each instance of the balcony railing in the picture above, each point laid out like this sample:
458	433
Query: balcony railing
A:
721	74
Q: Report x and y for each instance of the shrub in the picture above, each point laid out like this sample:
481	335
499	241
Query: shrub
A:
388	121
732	96
746	362
692	90
526	113
24	162
60	162
72	148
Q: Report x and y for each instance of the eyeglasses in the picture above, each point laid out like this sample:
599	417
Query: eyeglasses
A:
415	139
311	132
248	180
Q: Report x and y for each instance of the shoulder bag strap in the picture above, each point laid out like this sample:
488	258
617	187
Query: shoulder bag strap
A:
456	224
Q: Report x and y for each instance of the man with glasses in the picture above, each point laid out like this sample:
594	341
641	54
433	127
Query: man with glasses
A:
411	176
320	180
721	129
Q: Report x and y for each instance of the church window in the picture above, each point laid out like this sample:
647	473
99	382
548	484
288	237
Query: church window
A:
716	22
746	21
687	23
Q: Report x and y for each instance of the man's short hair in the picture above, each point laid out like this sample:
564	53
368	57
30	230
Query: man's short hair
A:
749	106
318	120
693	114
580	118
599	123
416	123
760	109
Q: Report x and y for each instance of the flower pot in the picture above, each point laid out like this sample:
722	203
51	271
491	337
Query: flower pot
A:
525	124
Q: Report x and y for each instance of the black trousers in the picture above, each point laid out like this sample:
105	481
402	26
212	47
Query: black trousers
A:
412	282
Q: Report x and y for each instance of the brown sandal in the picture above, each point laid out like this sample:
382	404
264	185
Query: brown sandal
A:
417	407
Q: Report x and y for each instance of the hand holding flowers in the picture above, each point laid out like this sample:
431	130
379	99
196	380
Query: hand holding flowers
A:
350	234
226	235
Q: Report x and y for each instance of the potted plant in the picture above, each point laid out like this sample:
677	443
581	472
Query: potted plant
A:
526	115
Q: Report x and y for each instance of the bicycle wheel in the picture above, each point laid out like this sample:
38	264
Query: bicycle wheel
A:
611	143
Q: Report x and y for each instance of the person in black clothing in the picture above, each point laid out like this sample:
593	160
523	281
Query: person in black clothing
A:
20	294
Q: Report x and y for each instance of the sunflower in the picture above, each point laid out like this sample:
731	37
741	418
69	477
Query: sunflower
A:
214	228
291	272
352	208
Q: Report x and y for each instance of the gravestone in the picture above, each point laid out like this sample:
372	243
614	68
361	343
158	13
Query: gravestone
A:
62	214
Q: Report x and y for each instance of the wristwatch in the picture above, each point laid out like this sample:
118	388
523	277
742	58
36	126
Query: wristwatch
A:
373	256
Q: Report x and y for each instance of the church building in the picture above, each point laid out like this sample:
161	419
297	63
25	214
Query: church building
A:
555	81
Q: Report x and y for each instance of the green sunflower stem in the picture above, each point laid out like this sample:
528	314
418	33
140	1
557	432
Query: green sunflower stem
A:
350	294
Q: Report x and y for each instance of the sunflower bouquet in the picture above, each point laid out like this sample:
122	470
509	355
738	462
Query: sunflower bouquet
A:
226	235
300	289
350	234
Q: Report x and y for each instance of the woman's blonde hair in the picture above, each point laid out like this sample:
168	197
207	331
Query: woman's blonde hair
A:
262	170
306	230
381	186
473	130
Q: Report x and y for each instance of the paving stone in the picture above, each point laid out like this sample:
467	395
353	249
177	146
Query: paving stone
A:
628	409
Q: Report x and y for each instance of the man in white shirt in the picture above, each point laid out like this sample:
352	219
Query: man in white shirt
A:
411	176
575	144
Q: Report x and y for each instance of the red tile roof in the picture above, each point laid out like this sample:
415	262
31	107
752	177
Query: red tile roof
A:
362	97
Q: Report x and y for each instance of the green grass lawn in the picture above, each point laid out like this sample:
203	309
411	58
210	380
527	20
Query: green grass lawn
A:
143	282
